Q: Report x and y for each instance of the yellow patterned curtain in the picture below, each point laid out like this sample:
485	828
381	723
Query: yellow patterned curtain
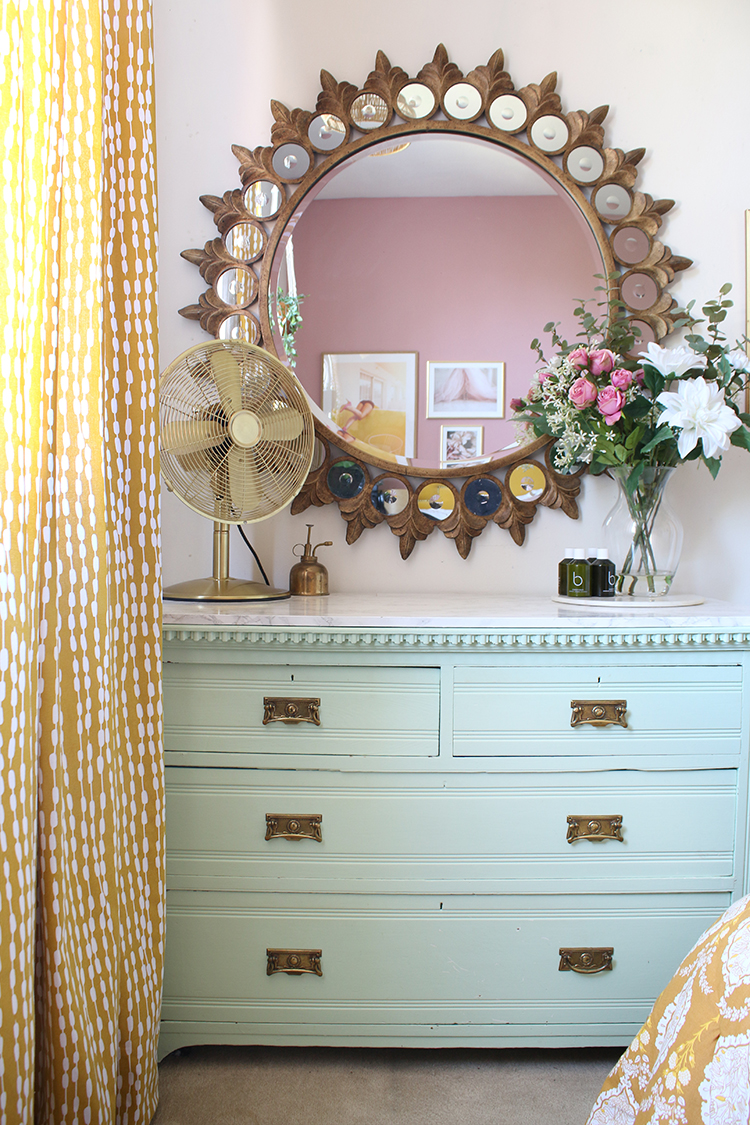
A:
81	787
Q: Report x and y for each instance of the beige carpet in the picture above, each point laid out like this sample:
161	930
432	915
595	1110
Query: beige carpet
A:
356	1086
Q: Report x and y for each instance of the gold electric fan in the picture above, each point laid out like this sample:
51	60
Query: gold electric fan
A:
237	440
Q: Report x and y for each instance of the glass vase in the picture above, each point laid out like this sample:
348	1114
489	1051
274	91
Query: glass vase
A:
643	535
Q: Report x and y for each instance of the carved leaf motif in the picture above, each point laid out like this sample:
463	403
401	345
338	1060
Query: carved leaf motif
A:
465	528
227	210
359	514
585	128
542	98
211	260
256	164
619	167
385	79
289	125
514	520
335	97
440	73
491	79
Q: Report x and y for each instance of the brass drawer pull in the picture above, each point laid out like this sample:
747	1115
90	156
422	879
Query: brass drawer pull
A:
599	712
291	827
291	711
586	960
594	828
294	961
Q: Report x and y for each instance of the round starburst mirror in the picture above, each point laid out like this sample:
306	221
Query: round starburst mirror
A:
399	246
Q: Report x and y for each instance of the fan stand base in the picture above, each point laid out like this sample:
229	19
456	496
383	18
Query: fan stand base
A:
223	590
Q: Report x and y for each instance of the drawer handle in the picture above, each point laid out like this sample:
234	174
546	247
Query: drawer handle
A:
291	711
586	960
294	961
599	712
297	827
594	828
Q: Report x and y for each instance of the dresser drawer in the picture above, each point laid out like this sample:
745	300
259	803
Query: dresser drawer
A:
407	959
413	832
214	708
680	710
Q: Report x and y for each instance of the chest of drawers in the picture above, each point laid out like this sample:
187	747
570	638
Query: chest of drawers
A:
502	827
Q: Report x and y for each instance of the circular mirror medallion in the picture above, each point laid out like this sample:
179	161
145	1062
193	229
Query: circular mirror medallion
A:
612	201
346	479
240	326
369	111
436	500
390	496
549	133
291	162
462	102
237	286
326	132
483	496
527	482
631	245
647	336
245	242
263	199
414	101
639	291
509	113
585	164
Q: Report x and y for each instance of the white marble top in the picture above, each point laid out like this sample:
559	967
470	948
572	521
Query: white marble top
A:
454	611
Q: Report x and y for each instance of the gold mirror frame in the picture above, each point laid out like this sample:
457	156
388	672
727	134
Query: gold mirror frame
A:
568	146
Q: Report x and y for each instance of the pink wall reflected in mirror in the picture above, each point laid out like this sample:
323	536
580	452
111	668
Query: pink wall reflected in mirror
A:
454	279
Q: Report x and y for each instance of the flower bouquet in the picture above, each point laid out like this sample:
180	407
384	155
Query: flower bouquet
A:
637	417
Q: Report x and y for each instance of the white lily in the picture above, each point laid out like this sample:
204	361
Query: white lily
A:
699	410
673	362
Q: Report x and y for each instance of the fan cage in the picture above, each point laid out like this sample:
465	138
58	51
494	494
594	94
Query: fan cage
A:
199	394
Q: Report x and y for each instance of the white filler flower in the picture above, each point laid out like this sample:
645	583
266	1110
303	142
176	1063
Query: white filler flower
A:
699	410
673	362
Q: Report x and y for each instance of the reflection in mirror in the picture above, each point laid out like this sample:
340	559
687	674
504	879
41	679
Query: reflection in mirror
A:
263	199
390	495
245	241
241	326
236	286
436	500
452	247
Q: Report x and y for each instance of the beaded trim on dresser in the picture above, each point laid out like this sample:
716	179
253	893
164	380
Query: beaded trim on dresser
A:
459	638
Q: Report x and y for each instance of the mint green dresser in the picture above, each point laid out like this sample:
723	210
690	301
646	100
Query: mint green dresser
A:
501	826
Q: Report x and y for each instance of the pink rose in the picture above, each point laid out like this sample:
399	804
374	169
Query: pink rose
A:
610	402
621	379
582	393
602	361
638	376
579	357
516	404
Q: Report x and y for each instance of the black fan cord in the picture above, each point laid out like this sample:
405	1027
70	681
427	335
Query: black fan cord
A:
254	553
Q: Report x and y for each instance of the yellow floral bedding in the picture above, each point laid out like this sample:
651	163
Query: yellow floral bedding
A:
691	1060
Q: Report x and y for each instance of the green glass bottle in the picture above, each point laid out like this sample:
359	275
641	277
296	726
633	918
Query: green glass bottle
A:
579	575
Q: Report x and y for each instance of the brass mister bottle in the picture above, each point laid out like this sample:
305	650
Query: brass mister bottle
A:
308	576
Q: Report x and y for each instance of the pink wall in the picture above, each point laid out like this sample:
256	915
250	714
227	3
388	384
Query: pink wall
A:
453	279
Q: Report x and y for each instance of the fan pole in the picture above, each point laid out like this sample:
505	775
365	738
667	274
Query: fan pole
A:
222	588
221	551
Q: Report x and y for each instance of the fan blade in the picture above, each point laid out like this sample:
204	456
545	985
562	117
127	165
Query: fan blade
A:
228	376
245	490
193	435
280	422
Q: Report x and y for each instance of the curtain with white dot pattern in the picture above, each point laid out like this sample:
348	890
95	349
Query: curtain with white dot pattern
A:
81	783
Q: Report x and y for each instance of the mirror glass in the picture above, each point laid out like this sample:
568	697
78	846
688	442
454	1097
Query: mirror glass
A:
446	245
